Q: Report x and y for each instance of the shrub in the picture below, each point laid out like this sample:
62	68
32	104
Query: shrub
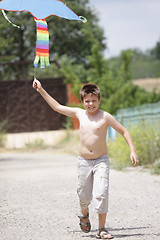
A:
147	143
3	132
146	139
36	144
2	139
119	152
156	168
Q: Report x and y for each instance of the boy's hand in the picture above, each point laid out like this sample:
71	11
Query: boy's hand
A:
134	158
37	85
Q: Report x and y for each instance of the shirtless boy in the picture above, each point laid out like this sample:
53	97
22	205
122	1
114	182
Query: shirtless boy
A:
93	161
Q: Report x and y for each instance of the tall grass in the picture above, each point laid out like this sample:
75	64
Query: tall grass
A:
3	125
147	143
36	144
70	143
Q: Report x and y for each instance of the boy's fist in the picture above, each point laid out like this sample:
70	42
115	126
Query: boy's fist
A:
36	84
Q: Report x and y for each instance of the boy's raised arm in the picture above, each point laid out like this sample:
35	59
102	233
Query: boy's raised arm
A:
68	111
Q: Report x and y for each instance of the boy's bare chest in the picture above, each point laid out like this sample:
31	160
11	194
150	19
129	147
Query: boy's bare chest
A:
91	125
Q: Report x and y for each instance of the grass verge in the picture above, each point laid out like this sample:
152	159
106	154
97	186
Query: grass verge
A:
147	143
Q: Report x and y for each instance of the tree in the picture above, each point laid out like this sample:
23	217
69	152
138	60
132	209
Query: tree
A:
125	68
20	40
130	95
117	89
156	51
66	37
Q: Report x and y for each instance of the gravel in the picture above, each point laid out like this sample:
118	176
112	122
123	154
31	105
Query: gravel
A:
38	200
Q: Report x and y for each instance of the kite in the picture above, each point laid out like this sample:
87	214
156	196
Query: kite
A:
40	10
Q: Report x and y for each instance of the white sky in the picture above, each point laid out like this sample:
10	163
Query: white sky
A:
128	23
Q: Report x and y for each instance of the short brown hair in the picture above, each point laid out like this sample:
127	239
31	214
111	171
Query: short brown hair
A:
89	88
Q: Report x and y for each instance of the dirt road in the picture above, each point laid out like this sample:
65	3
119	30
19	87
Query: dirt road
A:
38	200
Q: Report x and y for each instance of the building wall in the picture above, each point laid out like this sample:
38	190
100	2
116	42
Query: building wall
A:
26	111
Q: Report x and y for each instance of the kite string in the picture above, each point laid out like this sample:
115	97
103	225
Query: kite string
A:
35	71
5	16
20	4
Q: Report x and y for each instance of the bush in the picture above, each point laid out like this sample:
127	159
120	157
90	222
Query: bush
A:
147	143
3	132
36	144
156	168
119	153
2	139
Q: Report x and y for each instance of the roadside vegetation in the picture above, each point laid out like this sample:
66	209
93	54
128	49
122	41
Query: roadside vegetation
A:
147	143
2	133
36	144
146	140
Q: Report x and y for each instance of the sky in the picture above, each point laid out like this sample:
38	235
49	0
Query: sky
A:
128	23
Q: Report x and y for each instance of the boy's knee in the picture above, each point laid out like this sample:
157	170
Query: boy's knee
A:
102	185
101	204
84	197
101	199
84	204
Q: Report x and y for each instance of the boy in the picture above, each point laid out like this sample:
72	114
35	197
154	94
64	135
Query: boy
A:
93	161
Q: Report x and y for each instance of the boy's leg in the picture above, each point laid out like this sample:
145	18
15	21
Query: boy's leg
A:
84	212
85	183
101	187
85	186
102	220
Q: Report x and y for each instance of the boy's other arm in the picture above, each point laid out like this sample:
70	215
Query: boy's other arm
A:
68	111
125	133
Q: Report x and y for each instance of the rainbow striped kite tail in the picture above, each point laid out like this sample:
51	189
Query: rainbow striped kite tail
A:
42	44
36	60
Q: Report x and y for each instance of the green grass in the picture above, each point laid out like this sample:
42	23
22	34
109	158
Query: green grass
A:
36	144
3	125
156	168
119	153
147	143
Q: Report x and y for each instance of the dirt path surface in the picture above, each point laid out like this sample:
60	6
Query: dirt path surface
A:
38	200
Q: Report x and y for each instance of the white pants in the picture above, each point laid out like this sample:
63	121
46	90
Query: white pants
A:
93	180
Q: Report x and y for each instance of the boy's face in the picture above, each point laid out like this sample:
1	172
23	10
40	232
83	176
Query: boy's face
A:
91	103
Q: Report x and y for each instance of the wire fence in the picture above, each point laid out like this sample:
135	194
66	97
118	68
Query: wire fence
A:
128	117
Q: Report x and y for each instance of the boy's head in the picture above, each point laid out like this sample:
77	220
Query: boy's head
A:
90	97
91	89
